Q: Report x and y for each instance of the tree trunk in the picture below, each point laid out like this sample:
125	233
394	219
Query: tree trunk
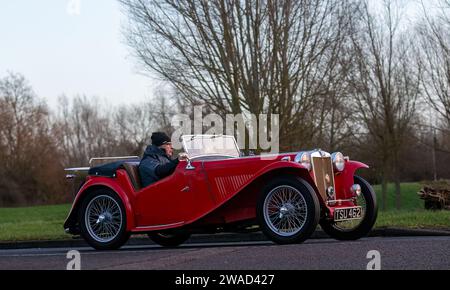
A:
398	197
383	191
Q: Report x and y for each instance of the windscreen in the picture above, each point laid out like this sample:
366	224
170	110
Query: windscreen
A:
210	145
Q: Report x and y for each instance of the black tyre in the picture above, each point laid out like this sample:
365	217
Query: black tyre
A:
169	240
353	230
103	220
288	210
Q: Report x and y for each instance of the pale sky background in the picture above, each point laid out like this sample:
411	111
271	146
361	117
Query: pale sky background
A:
64	51
61	51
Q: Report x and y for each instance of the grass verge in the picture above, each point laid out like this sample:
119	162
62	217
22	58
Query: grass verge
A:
414	219
46	222
33	223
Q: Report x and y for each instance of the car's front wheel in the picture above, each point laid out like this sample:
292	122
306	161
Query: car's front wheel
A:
288	210
102	220
169	240
355	229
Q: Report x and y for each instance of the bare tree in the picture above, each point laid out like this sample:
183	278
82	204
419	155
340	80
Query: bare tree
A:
385	86
31	167
85	131
86	128
134	124
245	56
434	32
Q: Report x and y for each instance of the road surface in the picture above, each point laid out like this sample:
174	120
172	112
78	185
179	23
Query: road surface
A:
395	253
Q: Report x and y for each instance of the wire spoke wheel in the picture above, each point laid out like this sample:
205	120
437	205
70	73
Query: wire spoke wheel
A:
103	218
285	210
355	229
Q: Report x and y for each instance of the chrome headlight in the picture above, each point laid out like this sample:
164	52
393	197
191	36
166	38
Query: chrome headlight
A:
338	161
304	158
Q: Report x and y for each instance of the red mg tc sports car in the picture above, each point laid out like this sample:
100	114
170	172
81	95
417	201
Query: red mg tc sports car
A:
285	195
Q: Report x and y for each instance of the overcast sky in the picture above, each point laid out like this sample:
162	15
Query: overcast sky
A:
72	47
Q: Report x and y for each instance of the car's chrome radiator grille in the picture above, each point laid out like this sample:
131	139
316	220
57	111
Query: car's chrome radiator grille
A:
323	174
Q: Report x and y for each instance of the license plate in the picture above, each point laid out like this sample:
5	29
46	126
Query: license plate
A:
348	213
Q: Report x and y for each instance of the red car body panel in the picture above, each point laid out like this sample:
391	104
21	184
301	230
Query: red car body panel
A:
215	192
120	184
343	183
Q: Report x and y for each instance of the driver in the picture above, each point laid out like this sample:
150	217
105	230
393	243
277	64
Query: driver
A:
157	161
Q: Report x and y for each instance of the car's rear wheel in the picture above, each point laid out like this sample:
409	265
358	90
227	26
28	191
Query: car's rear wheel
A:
169	240
102	220
355	229
288	210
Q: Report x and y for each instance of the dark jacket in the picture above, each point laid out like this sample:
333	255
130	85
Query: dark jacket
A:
155	165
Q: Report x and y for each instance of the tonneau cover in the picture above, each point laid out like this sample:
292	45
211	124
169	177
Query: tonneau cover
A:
109	169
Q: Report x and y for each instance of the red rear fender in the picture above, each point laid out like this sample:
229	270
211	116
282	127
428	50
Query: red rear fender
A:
117	185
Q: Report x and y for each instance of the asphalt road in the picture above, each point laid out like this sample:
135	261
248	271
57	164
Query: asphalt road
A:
395	253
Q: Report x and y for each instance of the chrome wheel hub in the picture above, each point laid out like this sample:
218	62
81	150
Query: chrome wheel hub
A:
105	218
101	219
287	210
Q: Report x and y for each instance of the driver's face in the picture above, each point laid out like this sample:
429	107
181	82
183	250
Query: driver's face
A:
168	148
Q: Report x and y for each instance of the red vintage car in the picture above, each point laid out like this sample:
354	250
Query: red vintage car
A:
285	195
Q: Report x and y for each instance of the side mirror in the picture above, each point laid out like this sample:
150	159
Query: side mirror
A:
189	165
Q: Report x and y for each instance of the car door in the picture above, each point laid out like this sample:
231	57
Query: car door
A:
168	201
199	189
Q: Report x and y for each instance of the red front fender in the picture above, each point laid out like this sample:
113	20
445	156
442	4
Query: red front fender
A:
345	179
352	166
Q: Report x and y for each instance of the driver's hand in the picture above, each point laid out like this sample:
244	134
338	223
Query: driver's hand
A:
183	156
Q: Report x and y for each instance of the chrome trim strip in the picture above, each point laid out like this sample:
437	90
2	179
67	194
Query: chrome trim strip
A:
77	169
159	226
112	158
339	200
